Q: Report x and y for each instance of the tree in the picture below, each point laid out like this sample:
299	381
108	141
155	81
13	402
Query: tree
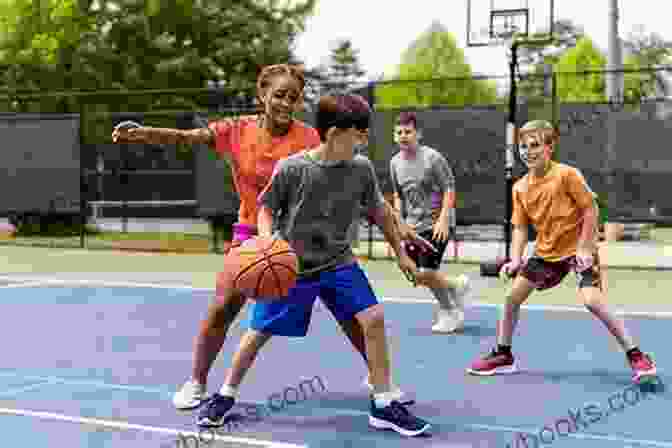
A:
574	85
650	51
132	44
581	87
532	59
344	68
425	71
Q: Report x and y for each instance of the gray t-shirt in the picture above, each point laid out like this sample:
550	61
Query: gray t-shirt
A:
417	180
317	206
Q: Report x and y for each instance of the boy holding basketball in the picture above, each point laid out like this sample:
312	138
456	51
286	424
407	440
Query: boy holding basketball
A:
253	145
557	201
419	174
314	201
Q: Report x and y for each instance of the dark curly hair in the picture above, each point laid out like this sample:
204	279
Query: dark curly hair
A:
268	72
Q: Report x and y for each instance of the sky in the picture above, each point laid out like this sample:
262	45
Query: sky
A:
382	29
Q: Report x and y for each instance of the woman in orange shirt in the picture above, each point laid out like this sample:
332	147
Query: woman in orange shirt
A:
253	145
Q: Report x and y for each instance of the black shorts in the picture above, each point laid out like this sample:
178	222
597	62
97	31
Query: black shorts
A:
427	260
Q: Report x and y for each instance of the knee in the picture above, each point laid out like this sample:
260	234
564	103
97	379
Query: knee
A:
254	340
372	319
426	278
225	308
592	301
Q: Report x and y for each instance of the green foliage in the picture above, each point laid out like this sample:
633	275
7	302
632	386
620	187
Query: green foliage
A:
532	59
51	225
344	68
423	76
64	45
649	50
132	44
581	87
590	87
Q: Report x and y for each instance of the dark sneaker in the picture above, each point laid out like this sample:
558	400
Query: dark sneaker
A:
493	363
214	411
643	367
398	418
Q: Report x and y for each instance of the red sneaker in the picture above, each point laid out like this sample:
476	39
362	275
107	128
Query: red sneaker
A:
493	363
643	367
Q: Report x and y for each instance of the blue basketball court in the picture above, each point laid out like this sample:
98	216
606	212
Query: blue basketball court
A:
95	365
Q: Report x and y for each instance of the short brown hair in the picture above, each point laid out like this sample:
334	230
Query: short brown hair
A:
407	118
342	111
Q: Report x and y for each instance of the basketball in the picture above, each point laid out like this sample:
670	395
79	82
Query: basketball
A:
265	269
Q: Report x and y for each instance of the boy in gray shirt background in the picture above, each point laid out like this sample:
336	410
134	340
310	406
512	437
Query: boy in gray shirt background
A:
418	173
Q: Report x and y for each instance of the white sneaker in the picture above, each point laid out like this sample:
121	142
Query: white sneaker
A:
190	396
396	393
449	321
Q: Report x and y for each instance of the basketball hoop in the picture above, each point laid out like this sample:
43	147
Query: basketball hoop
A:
510	23
502	22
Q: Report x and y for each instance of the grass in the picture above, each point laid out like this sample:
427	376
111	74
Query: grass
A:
624	288
629	289
149	236
662	235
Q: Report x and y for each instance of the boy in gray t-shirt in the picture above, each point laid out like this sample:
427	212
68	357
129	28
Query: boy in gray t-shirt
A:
314	201
419	174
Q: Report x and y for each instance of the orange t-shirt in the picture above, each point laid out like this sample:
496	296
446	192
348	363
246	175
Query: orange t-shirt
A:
253	153
554	205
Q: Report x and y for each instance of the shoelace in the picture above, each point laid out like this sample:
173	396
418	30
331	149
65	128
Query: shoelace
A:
212	404
493	354
399	410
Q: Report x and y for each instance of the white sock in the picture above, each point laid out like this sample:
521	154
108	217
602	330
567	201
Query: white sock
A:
229	391
383	399
444	297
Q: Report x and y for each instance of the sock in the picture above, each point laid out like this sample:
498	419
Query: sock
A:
512	312
505	349
382	400
458	301
229	391
444	297
633	352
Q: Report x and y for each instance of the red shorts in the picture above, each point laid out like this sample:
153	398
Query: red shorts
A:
549	274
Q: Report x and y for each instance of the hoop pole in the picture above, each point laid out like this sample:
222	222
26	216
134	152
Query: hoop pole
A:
511	145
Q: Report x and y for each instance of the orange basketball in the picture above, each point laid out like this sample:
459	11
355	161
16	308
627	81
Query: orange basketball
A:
265	269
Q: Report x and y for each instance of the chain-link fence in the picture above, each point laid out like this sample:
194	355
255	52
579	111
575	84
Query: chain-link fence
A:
62	167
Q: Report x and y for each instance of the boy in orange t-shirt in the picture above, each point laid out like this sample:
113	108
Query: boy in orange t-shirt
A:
557	201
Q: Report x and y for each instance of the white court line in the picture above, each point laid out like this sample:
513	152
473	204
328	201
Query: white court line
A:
103	283
87	383
182	287
23	284
130	426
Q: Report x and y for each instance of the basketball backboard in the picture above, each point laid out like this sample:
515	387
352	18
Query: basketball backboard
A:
497	22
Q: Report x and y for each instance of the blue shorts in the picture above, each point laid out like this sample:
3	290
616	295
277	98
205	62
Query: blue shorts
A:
345	291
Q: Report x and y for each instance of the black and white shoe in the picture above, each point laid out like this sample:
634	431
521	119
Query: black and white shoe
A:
214	411
398	418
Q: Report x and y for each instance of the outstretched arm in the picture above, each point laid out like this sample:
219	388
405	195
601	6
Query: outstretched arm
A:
164	136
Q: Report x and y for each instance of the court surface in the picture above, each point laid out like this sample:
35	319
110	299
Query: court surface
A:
95	365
